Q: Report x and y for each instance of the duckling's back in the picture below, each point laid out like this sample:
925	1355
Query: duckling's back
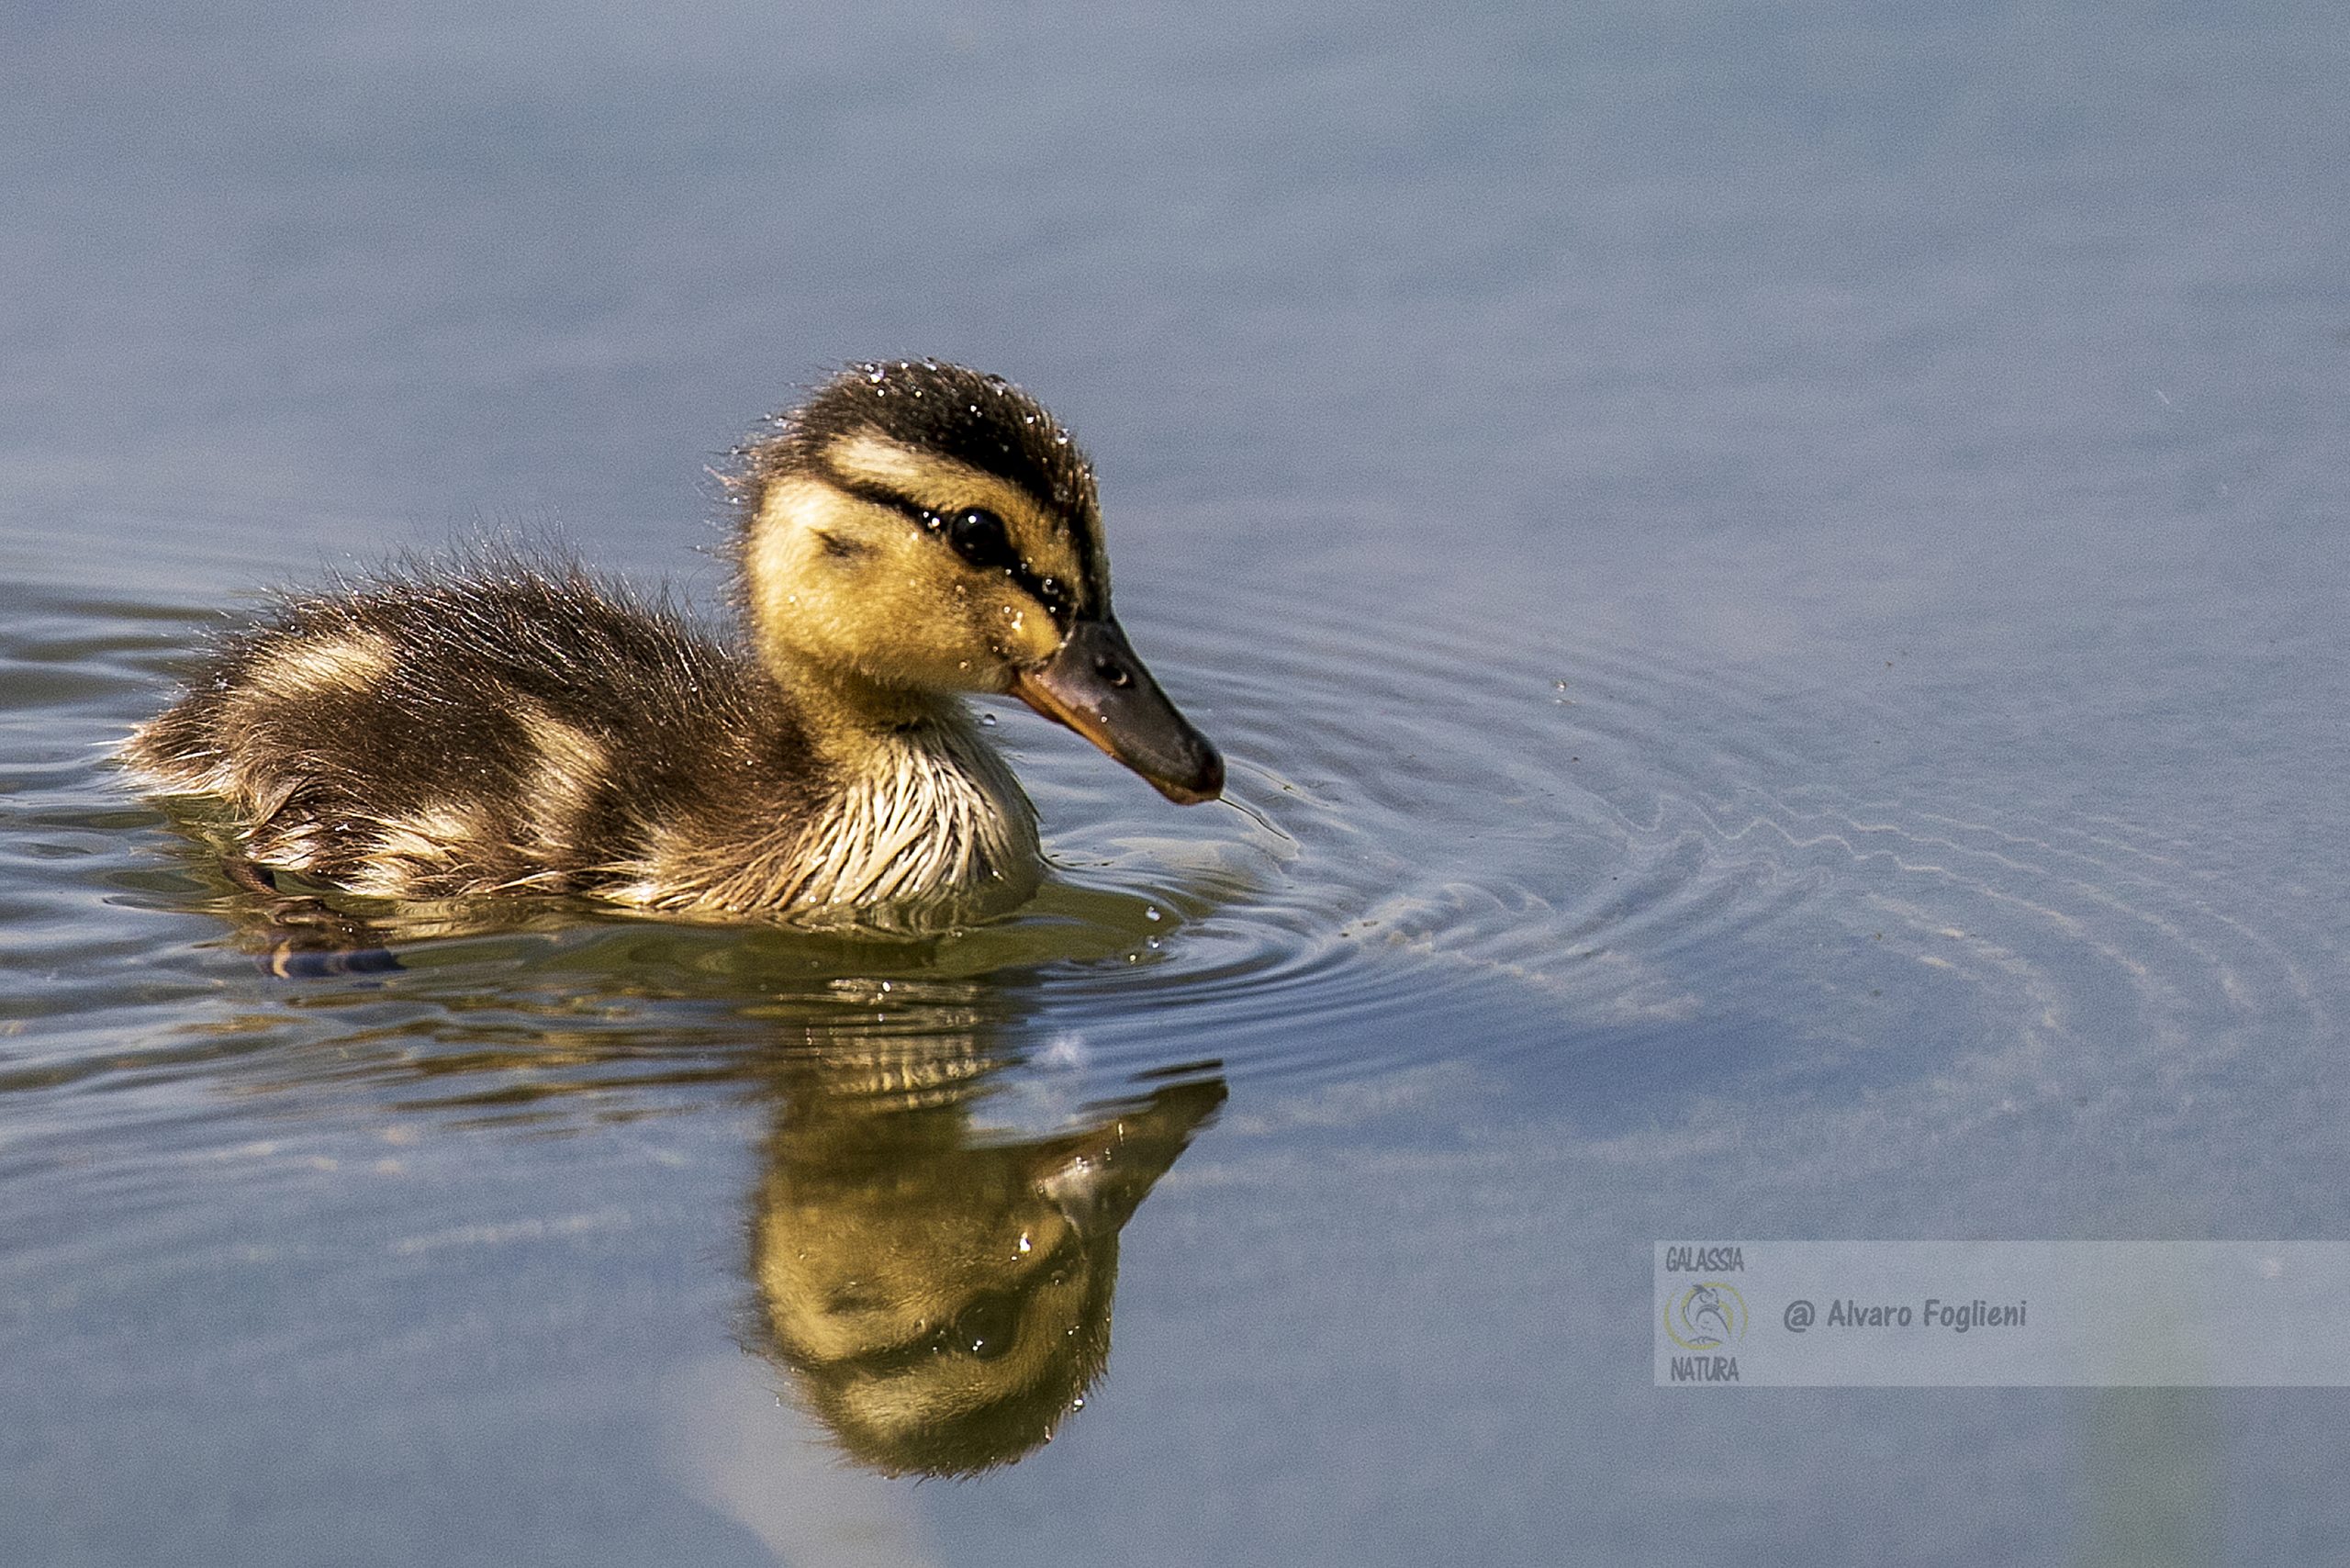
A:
509	727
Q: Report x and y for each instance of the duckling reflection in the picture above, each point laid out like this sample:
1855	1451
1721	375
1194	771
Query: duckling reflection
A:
942	1302
939	1293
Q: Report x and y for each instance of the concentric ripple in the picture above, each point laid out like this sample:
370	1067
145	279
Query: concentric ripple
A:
1526	839
1660	876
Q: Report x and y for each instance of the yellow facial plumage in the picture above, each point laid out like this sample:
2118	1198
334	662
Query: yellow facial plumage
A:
843	579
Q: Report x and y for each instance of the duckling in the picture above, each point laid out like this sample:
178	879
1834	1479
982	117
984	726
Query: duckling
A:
914	532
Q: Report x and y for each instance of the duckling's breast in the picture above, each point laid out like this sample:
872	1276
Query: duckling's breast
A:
921	825
939	816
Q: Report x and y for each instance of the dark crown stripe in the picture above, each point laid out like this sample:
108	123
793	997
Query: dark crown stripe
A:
982	421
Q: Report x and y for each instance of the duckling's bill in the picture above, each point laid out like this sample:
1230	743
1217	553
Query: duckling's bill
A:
1095	685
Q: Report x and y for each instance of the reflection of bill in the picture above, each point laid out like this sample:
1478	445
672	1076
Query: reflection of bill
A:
943	1303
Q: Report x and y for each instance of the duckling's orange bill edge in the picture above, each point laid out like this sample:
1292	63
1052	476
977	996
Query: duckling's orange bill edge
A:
1095	685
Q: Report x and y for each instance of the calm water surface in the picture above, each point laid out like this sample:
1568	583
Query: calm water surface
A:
1773	584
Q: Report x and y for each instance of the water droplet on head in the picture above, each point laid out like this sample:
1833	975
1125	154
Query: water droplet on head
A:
989	720
1150	912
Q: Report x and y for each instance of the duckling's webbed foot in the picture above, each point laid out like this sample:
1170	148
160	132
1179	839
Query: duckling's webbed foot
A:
301	937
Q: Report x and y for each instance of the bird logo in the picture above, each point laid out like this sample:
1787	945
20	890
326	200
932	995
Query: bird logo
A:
1705	1316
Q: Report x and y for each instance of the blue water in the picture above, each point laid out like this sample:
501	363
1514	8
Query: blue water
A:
1772	580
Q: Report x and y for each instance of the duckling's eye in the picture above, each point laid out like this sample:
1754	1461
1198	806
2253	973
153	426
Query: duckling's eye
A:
985	1329
978	537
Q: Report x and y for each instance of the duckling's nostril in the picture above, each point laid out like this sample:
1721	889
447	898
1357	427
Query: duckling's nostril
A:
1114	672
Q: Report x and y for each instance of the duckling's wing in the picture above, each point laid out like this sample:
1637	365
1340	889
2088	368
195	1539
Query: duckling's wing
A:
509	727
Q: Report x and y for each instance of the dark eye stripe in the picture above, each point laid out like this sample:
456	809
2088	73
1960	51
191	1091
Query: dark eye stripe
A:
984	543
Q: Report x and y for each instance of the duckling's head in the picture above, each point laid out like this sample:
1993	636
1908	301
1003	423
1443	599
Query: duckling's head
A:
921	528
